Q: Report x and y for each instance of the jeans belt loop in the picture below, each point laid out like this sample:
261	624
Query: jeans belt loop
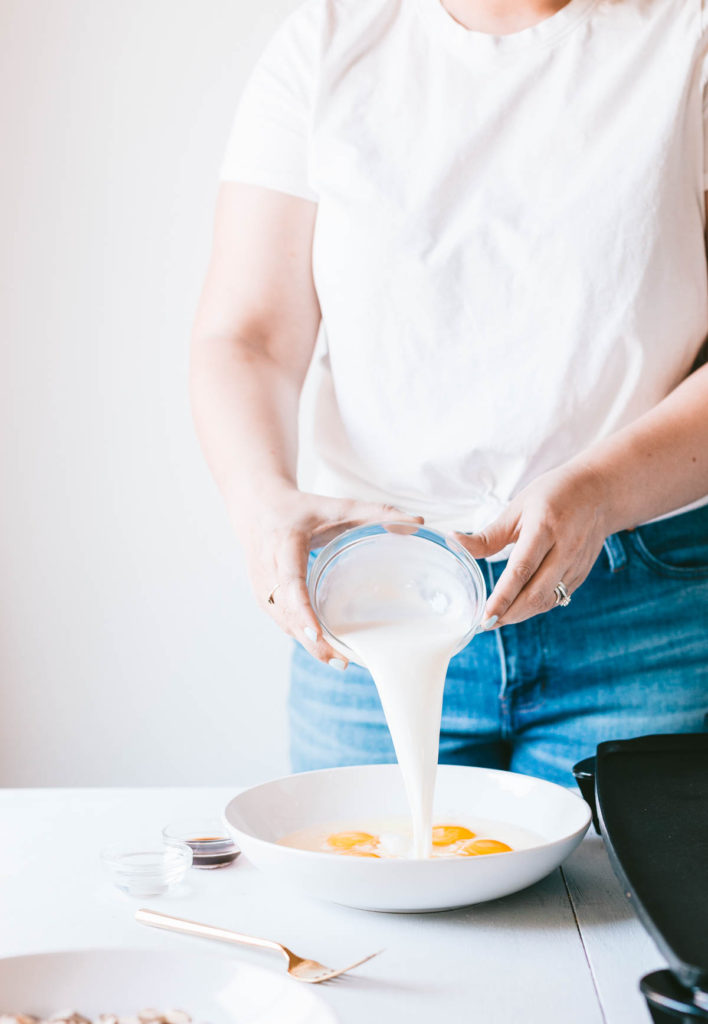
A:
616	552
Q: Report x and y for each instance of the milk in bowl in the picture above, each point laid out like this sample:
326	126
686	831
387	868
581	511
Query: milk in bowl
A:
401	600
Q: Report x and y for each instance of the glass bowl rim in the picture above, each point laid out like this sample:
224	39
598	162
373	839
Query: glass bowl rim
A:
174	832
113	856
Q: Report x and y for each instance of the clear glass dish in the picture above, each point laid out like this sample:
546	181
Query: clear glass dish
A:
211	845
431	564
142	868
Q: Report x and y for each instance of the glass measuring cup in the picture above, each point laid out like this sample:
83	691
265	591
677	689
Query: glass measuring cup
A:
384	570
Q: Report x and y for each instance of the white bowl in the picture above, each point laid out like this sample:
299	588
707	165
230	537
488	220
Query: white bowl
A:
208	986
260	816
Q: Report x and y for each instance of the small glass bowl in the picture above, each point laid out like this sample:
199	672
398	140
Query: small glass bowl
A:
418	549
146	869
210	843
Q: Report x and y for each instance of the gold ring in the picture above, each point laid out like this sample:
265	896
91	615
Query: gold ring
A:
561	594
271	596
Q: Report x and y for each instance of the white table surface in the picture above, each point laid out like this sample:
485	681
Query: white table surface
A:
567	950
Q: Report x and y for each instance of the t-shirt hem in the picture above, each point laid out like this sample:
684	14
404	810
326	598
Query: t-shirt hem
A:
693	507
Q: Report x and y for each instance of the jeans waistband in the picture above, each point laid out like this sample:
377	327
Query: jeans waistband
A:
682	527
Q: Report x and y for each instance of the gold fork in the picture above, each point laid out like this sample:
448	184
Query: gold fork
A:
298	966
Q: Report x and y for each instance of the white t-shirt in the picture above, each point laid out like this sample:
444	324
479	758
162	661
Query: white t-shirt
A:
509	249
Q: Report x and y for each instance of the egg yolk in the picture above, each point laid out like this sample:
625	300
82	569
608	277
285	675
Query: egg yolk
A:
446	835
482	846
448	841
350	840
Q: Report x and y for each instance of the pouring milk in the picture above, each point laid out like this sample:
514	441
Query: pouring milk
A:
403	608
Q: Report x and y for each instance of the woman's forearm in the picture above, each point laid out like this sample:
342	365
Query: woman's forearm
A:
658	463
245	406
253	338
559	522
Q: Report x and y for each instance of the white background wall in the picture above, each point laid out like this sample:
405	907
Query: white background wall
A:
131	651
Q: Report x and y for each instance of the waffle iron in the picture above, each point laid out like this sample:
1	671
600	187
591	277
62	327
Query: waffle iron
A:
649	798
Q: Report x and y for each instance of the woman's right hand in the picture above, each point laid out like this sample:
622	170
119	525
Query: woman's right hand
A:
277	538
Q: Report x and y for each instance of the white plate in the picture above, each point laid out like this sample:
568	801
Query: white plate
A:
210	988
260	816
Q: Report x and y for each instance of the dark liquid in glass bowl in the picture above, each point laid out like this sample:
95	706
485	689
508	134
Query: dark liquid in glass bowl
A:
212	851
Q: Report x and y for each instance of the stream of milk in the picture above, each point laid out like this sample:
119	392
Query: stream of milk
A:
404	614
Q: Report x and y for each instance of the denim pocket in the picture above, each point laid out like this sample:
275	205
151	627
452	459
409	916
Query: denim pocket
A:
676	547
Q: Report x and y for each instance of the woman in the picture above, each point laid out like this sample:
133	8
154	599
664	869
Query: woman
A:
493	213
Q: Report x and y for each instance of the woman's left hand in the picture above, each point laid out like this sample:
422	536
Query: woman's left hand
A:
557	527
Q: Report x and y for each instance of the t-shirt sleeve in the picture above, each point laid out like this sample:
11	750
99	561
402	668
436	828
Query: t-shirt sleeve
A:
269	144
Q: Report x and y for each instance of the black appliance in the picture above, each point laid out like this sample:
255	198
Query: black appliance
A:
649	798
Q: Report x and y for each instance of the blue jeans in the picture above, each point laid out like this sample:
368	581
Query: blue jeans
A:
628	657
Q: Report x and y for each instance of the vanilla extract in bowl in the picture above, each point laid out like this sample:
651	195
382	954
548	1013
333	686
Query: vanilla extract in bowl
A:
212	852
211	846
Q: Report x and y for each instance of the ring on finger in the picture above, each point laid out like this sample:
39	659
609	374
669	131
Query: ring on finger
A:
560	592
288	579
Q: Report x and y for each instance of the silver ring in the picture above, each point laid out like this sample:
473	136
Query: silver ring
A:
561	594
271	596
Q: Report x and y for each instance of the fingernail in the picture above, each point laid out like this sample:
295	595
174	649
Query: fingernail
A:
337	663
490	622
311	634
